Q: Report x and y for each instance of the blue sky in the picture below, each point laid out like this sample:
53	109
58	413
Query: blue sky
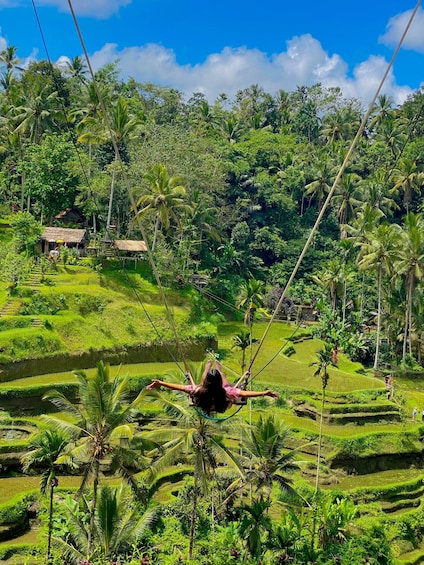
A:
224	46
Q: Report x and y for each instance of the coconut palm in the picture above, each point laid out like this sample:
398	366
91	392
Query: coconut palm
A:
377	193
322	174
382	112
44	450
347	198
102	431
379	252
411	266
330	279
117	526
9	59
118	127
271	461
39	112
251	298
408	178
166	197
243	340
324	360
255	525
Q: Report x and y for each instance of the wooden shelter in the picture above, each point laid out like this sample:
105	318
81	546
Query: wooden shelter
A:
53	237
129	249
130	246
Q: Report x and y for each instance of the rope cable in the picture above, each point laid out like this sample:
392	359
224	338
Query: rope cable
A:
130	194
334	185
86	177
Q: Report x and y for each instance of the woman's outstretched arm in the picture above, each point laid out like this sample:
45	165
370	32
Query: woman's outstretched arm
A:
256	393
173	386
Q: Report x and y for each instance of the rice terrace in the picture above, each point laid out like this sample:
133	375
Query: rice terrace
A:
211	320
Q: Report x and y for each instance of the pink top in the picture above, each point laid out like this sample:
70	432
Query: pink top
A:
232	392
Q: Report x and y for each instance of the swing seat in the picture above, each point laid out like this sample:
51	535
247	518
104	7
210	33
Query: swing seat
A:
237	402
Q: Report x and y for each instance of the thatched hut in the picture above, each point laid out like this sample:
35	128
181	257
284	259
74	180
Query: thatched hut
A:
53	237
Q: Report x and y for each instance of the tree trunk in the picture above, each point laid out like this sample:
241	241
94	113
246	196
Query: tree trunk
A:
315	504
112	189
193	516
377	338
50	526
155	233
93	508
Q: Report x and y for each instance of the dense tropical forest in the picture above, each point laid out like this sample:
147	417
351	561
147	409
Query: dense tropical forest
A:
225	194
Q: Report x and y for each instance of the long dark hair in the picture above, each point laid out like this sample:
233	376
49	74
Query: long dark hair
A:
211	396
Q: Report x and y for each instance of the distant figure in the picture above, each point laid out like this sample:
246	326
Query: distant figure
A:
336	355
414	413
422	415
54	255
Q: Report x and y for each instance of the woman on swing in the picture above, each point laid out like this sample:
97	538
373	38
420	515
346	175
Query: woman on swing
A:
214	394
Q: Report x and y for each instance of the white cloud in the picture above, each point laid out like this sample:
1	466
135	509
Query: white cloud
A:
396	26
95	8
304	63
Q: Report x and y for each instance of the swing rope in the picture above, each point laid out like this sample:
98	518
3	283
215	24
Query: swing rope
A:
87	180
130	194
334	186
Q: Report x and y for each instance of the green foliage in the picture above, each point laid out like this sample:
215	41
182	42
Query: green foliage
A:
26	231
44	304
87	304
50	175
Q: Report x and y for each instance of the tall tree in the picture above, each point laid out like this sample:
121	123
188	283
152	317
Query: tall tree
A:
411	267
119	127
380	252
407	177
102	432
272	461
44	450
166	198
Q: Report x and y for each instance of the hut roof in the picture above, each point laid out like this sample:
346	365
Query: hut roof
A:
65	235
130	245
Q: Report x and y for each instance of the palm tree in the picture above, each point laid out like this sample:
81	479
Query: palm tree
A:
382	112
411	267
8	57
347	198
39	112
243	340
377	193
166	197
330	279
118	127
76	68
271	461
324	360
322	174
117	525
44	450
102	432
408	178
251	298
254	525
379	252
